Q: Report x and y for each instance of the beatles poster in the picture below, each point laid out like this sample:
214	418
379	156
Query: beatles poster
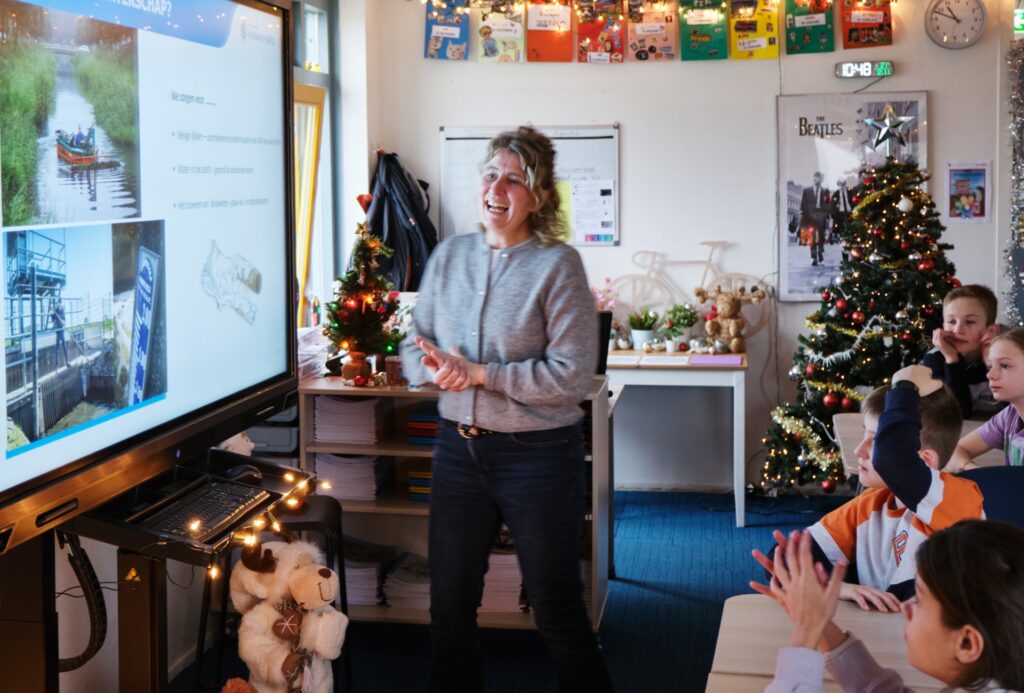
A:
704	30
809	26
824	142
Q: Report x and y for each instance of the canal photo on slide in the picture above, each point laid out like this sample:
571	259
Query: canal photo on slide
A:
85	329
69	116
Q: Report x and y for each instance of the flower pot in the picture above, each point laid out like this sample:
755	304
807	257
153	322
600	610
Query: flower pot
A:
356	365
641	336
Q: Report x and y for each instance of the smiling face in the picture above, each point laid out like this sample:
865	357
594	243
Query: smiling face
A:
964	323
931	644
1006	371
506	200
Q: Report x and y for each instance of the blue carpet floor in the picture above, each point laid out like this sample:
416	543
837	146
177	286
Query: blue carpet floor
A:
678	558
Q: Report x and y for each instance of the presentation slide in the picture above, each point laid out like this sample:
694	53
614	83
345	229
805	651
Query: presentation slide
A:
143	213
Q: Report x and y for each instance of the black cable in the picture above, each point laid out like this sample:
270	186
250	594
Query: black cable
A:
92	591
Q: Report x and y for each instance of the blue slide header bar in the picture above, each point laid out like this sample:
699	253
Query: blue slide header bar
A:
202	21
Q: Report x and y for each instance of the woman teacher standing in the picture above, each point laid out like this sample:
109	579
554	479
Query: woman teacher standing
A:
506	327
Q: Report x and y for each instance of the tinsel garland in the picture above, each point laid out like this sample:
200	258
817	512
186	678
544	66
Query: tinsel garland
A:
918	177
835	387
1013	255
816	452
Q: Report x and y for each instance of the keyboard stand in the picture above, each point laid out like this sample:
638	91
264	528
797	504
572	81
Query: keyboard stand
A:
142	566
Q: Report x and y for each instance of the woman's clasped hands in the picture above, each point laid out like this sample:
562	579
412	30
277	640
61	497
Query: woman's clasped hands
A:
449	369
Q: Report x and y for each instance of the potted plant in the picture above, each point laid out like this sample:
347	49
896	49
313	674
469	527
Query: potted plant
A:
642	324
675	328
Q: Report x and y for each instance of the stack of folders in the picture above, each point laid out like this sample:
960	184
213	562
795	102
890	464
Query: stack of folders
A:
421	426
419	481
366	564
353	420
503	582
354	477
408	583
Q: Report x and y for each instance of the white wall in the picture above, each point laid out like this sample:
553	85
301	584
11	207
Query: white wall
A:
698	161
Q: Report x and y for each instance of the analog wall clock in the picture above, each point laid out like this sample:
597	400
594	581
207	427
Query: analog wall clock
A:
955	23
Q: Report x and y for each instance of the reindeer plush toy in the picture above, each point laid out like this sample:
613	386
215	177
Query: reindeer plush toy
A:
728	324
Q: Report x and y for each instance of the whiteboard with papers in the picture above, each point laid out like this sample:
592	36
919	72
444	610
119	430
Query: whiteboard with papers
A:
586	170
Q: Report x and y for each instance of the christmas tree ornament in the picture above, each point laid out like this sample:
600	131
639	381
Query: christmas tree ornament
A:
794	373
848	404
810	369
801	460
914	257
929	310
830	400
926	265
955	282
875	258
905	205
826	296
872	304
904	245
855	199
828	485
889	129
359	380
857	317
907	336
841	304
901	316
856	253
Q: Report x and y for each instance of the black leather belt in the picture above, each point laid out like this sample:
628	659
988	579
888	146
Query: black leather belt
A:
468	431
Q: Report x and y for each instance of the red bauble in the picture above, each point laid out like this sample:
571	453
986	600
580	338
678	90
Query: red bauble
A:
954	281
904	245
855	199
857	317
868	180
343	315
907	337
797	437
830	400
364	201
360	381
841	304
926	265
872	305
929	310
683	346
828	485
825	296
810	369
856	253
849	403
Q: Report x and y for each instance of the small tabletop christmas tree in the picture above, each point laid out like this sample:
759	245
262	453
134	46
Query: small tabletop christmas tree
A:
358	318
875	318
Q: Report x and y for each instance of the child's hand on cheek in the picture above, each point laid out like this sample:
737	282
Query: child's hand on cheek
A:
942	342
991	332
921	376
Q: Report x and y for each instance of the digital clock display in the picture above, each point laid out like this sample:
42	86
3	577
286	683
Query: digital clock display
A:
866	68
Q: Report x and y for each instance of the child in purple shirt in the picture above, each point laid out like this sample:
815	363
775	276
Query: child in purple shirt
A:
1005	430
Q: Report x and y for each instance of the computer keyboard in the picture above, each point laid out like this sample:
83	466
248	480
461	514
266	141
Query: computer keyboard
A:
214	506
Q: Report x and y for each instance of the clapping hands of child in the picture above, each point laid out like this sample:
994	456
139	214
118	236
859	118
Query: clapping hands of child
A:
802	587
450	370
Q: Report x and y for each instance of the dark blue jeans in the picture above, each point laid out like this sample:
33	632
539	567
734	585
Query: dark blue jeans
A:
534	482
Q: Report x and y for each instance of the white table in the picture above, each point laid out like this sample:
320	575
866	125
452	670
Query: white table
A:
666	370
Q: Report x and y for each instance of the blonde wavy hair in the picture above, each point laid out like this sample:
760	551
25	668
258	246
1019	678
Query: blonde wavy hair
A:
537	157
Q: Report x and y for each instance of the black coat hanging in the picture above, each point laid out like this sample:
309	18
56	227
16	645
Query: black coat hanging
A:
398	215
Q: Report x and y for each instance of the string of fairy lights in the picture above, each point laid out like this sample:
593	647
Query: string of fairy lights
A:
269	520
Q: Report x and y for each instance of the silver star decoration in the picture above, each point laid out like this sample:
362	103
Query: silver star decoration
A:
889	127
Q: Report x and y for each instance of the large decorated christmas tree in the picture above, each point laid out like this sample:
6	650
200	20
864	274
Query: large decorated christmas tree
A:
877	316
358	317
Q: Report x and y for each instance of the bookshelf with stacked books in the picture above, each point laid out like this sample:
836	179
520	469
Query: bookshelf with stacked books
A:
374	447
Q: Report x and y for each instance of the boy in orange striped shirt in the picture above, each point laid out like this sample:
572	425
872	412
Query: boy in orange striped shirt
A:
910	431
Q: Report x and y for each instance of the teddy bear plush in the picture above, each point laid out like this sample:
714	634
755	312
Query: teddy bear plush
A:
728	324
290	632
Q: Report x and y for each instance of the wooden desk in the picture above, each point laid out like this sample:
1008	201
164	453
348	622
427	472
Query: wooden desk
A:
850	431
676	370
754	627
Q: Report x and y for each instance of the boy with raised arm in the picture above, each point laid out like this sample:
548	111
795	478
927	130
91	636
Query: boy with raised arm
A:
910	431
